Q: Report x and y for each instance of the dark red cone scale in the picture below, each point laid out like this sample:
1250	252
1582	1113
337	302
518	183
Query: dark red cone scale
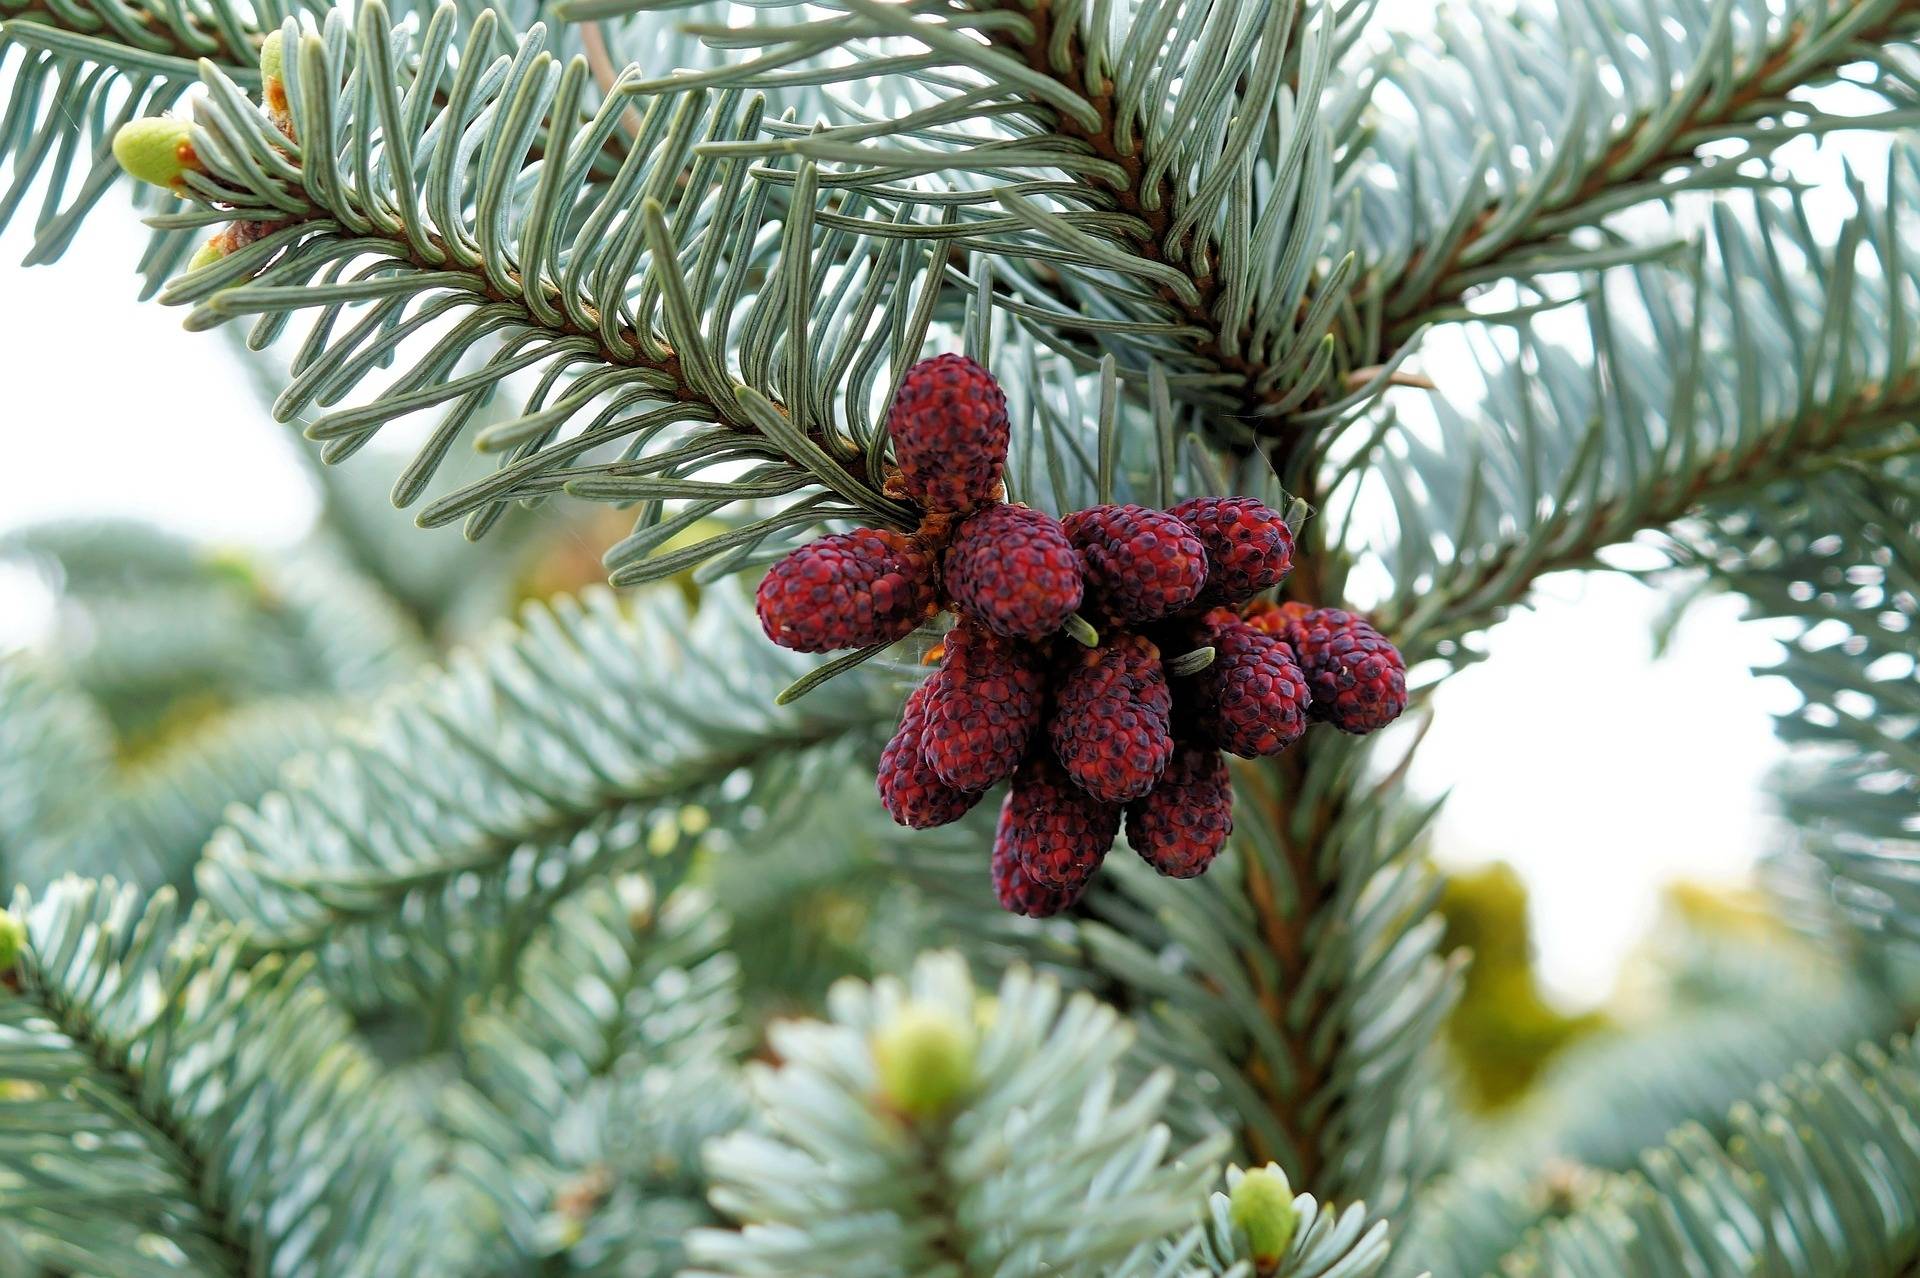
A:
1012	570
847	590
912	794
1252	701
983	708
1058	833
1249	546
1184	821
1112	718
1141	565
1358	679
949	427
1015	889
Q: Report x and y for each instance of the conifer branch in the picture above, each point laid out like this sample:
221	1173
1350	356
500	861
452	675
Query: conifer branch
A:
1745	377
83	70
55	748
1184	303
554	755
1263	1233
912	1101
645	361
146	1069
1573	537
1057	49
1128	178
1838	560
140	59
1736	1014
1819	1179
1270	974
591	1088
1332	942
222	1244
1728	94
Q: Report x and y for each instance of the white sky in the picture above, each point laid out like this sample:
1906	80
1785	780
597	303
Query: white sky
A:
1598	771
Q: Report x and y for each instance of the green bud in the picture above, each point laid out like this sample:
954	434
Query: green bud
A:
13	939
209	253
924	1058
1261	1206
272	60
155	149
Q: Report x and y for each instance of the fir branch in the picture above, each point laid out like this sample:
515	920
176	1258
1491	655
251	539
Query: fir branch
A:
930	1130
433	235
1053	44
1839	562
1748	376
87	67
147	824
171	1112
152	707
55	751
1125	186
1335	938
1274	975
1643	135
166	635
1576	535
1820	1178
594	1085
548	757
1728	74
1609	1098
84	69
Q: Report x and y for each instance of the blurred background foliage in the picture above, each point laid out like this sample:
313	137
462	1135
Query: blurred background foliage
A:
1503	1031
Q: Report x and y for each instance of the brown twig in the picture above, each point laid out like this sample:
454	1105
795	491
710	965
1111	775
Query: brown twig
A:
599	61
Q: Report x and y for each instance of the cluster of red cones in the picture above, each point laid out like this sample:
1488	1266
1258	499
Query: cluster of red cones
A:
1131	729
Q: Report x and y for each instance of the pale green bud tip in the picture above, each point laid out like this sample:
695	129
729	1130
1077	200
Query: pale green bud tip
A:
924	1059
13	939
1261	1205
154	149
209	253
272	60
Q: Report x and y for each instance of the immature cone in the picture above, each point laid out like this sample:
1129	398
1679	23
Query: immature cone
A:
1358	679
1112	720
1253	700
1249	546
155	149
910	790
847	591
1012	570
982	708
923	1059
1017	891
1058	832
1141	564
1261	1206
1184	821
949	427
